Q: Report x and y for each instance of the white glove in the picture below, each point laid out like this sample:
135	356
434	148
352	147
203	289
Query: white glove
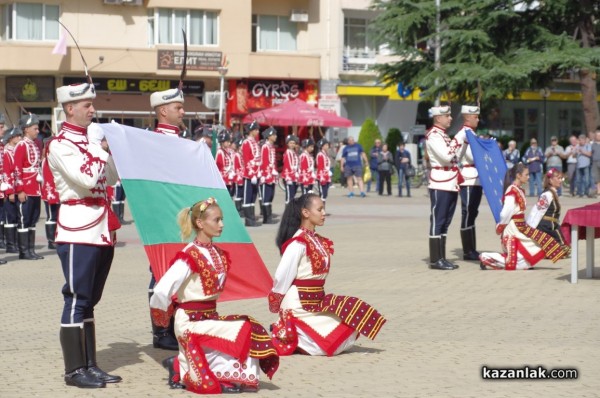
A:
290	182
253	180
262	180
314	175
275	172
297	175
95	134
231	175
330	173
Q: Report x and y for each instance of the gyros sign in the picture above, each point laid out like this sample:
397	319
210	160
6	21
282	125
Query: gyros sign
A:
276	90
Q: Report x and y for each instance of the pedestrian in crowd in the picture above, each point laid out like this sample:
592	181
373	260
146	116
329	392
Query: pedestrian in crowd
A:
311	322
353	158
523	246
545	215
385	167
403	161
203	134
169	109
534	159
224	161
269	174
251	160
373	165
511	154
217	354
307	166
338	159
27	186
86	231
324	171
238	168
470	187
570	155
11	208
331	152
443	185
584	160
49	196
596	160
554	157
291	167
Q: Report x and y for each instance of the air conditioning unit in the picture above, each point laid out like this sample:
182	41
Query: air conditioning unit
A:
133	2
212	99
299	16
113	2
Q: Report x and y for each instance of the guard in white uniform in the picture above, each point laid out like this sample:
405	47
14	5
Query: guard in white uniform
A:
86	230
470	189
443	185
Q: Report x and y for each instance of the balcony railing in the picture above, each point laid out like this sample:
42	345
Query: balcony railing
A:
358	60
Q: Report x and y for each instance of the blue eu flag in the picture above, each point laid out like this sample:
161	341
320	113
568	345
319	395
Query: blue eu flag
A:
491	167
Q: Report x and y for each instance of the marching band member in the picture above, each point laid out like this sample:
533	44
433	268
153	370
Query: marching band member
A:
251	159
86	230
269	173
310	321
523	246
218	354
49	196
225	162
238	170
470	189
443	185
27	186
169	110
11	208
307	166
291	166
323	168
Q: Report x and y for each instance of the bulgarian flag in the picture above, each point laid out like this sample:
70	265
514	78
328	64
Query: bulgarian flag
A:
161	176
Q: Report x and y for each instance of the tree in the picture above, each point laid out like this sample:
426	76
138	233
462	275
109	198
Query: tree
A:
490	48
394	137
369	132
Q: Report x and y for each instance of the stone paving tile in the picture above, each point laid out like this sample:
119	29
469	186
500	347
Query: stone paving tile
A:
442	326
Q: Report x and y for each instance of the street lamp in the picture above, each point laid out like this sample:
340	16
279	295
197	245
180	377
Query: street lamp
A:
222	72
544	93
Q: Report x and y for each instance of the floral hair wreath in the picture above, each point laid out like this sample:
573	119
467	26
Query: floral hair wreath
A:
552	172
204	204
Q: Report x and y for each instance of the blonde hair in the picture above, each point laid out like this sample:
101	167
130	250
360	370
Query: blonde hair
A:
186	218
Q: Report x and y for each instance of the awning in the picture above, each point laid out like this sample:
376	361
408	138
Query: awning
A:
117	104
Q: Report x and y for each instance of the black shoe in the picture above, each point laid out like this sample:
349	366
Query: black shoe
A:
442	264
102	375
482	266
83	379
471	256
230	389
51	245
454	266
167	363
165	341
3	262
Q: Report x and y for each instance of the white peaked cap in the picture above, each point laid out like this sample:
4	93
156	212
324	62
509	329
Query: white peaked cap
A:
469	110
439	110
75	92
166	97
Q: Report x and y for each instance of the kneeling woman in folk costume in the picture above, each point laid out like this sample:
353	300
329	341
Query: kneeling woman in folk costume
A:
523	245
217	354
310	321
545	215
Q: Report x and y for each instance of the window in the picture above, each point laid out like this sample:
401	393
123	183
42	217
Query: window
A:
29	21
273	33
200	26
357	43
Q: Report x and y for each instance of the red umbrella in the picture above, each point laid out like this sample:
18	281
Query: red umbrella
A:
297	113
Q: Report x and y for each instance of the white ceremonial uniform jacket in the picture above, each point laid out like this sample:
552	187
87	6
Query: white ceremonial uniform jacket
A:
442	152
82	171
465	159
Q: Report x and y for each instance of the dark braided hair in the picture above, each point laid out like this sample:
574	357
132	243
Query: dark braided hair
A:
511	174
292	218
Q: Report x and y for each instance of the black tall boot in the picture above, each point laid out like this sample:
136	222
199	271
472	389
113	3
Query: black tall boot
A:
435	254
249	216
115	208
163	338
10	231
2	237
468	245
174	378
238	207
268	215
89	332
50	233
76	374
32	245
23	244
443	251
121	214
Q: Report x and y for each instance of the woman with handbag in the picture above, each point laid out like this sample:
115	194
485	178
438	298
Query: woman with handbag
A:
404	167
385	166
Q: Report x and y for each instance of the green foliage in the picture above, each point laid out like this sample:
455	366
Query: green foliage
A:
394	137
369	132
490	48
